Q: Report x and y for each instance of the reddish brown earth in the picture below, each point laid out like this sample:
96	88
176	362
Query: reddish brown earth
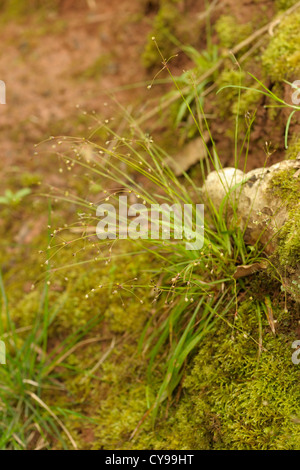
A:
42	68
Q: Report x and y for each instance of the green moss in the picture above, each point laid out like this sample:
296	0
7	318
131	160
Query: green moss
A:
230	31
232	398
80	299
286	187
289	247
281	59
19	8
293	150
117	400
237	400
240	402
30	179
284	4
164	27
126	402
228	98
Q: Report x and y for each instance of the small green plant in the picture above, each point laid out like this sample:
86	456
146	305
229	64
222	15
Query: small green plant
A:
192	88
197	288
14	199
34	373
30	379
189	80
273	97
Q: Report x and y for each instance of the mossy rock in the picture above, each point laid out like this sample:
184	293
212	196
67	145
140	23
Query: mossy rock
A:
237	398
293	150
281	59
286	187
236	394
230	31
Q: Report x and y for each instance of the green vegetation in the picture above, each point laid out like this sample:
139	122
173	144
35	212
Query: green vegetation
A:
287	188
281	59
17	9
231	32
229	101
294	148
14	199
285	4
164	29
27	421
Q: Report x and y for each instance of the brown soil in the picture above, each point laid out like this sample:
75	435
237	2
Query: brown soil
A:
42	66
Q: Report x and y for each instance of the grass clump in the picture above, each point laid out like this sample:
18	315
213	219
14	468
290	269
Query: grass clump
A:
28	384
204	363
189	280
195	291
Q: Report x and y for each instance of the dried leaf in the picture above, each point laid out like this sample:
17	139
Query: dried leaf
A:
247	270
191	154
